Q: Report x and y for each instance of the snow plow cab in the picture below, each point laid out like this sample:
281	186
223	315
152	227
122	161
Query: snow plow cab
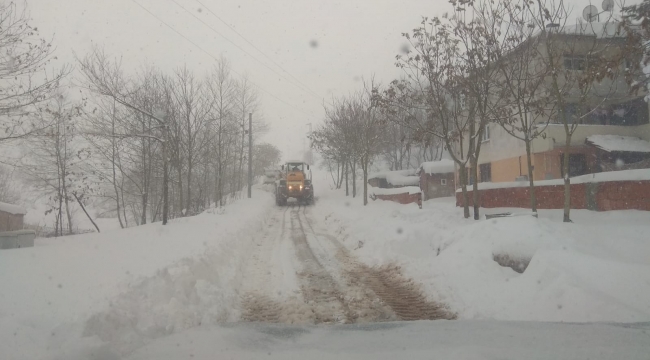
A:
295	182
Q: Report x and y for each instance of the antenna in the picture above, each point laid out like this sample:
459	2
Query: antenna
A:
608	5
590	13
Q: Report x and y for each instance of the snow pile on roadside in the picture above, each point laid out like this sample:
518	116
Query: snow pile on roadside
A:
165	275
596	269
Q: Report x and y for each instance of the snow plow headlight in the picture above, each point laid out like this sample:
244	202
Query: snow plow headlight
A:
290	187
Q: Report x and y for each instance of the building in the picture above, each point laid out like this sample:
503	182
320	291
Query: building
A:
437	179
613	133
11	217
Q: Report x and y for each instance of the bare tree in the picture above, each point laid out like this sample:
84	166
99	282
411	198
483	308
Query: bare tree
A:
8	191
54	159
522	78
222	92
24	82
584	63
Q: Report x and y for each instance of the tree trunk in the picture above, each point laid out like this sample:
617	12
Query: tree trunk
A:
117	194
462	174
365	181
67	210
567	180
347	188
354	179
60	216
531	184
475	195
165	182
86	212
188	201
145	188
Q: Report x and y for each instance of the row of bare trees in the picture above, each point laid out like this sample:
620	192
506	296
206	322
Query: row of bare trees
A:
358	131
145	146
173	135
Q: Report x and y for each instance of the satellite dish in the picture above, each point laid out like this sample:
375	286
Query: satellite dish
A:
608	5
590	13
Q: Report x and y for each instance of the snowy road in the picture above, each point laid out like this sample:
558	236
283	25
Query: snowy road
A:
299	273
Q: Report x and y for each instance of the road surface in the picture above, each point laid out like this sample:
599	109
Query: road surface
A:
299	273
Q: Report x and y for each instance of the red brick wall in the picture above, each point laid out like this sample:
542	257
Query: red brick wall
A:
619	195
404	198
613	195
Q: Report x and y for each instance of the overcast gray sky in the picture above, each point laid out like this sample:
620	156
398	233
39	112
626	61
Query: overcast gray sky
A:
353	39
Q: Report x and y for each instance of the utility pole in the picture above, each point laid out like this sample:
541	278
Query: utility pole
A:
250	153
310	156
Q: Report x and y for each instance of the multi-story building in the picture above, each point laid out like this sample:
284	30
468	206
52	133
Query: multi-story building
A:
613	131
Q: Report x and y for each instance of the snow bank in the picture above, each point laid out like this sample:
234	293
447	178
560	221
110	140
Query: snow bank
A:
12	209
165	275
624	175
393	191
438	167
619	143
385	174
594	269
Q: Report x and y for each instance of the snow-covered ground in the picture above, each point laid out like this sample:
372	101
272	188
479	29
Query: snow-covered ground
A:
51	291
170	292
595	269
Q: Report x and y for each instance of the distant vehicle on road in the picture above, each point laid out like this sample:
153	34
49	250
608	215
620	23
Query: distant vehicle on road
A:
295	182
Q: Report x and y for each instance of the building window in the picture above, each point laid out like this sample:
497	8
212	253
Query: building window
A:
443	181
485	172
572	62
486	133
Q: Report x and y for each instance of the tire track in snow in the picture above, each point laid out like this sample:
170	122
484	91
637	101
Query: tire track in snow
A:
319	288
335	286
265	278
402	295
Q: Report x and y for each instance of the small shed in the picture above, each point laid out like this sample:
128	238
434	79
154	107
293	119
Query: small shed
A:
437	179
616	152
11	217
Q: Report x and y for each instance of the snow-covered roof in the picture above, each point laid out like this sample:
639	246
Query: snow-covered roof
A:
384	174
12	209
406	177
619	143
438	167
401	180
394	191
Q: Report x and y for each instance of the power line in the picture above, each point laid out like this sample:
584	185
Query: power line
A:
240	48
256	48
213	57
